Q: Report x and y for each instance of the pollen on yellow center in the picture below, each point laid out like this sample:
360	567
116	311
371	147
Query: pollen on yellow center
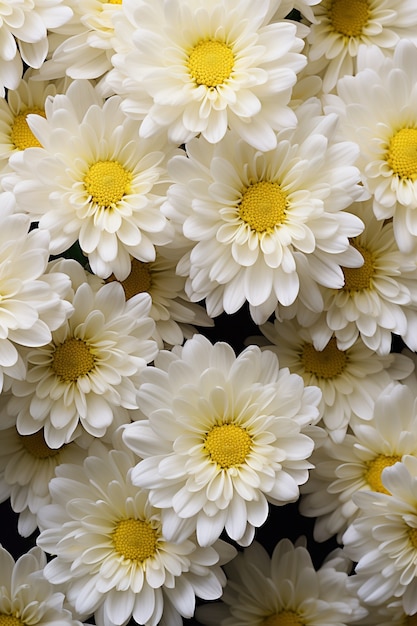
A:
359	278
10	620
263	206
327	363
72	359
106	182
135	539
374	469
21	135
228	445
210	63
139	279
349	17
36	446
284	618
402	153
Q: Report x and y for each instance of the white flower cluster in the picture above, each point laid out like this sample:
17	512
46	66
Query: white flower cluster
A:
166	164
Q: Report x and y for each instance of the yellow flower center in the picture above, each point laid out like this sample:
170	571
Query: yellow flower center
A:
106	183
114	1
135	539
263	206
349	17
72	359
36	446
21	135
210	63
374	470
327	363
412	534
228	445
402	153
284	618
359	278
138	281
10	620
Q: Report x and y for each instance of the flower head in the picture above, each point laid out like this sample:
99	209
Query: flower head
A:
204	67
112	555
258	220
222	436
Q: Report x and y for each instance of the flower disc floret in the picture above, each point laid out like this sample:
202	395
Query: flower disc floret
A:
327	363
135	539
20	134
349	17
263	206
402	153
210	63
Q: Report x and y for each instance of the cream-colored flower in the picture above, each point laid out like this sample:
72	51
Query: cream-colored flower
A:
201	67
223	436
355	464
93	180
26	596
342	27
258	223
112	555
284	590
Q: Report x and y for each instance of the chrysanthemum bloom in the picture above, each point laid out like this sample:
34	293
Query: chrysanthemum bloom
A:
93	180
86	376
200	67
31	304
113	557
386	135
355	464
383	538
391	613
256	220
171	310
342	27
28	98
377	299
350	380
26	596
222	437
27	465
23	33
82	47
284	590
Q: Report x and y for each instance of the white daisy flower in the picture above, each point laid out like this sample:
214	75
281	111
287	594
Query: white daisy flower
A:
342	27
27	465
24	28
112	555
284	590
171	310
377	299
222	437
383	538
31	304
257	220
82	47
202	67
386	135
26	596
350	380
93	180
86	376
355	464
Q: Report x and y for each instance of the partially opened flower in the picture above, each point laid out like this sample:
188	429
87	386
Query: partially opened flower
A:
202	67
86	376
284	590
383	539
93	180
341	27
223	436
356	463
26	596
255	221
112	555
